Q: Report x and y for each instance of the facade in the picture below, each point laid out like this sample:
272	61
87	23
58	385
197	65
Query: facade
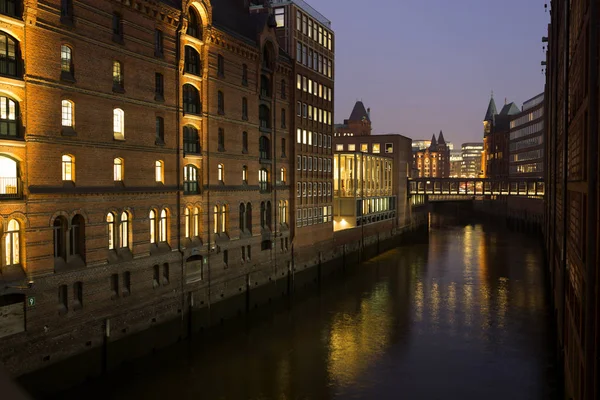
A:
146	164
571	219
471	160
495	139
359	123
456	161
307	37
362	189
434	161
527	140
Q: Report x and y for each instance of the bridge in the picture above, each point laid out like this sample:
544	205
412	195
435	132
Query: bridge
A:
462	188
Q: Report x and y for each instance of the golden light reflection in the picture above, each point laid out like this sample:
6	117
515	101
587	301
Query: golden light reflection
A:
434	304
468	303
452	307
502	299
357	340
419	301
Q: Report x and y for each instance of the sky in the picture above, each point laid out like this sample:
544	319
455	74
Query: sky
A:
428	65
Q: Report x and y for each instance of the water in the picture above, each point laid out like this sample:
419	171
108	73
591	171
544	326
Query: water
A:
465	316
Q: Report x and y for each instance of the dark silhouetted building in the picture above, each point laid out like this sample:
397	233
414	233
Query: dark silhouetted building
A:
526	143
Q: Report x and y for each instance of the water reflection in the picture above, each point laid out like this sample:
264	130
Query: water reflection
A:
462	317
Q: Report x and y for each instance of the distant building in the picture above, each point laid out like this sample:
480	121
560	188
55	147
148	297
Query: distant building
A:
456	161
471	159
359	123
434	161
527	140
423	144
496	128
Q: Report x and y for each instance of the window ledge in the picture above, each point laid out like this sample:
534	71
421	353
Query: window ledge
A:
67	76
68	131
119	184
68	184
118	136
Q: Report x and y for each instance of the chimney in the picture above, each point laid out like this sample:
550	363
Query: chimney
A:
369	113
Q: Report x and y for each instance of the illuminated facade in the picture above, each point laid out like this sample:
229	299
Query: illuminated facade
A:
527	140
434	161
363	185
495	139
471	160
359	123
456	162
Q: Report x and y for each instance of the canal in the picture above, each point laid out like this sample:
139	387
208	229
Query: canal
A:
460	314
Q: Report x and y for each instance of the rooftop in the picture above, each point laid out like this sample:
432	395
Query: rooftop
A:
306	8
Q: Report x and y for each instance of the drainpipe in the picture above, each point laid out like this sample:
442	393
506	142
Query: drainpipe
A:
275	208
207	163
591	295
565	143
178	159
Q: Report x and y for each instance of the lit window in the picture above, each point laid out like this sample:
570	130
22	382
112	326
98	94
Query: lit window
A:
245	174
223	218
118	81
110	223
162	226
9	48
187	222
66	59
216	219
376	148
118	124
68	168
221	172
124	230
11	243
196	221
280	16
118	169
364	147
282	174
159	171
152	219
8	117
389	147
190	179
340	147
351	147
67	113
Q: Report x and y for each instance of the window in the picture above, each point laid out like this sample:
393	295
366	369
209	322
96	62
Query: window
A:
59	232
244	108
220	173
158	43
264	116
162	226
221	139
110	226
152	220
364	147
126	283
190	179
67	113
376	148
11	243
194	28
244	142
389	147
224	217
124	230
225	257
283	89
187	226
220	66
63	298
66	8
192	61
191	100
299	163
265	86
283	205
242	217
9	49
114	285
263	179
264	148
280	16
245	174
118	124
155	276
118	169
159	86
165	274
191	142
78	294
117	27
283	122
196	221
283	147
220	102
8	117
282	175
66	60
118	81
351	147
339	147
249	217
244	75
68	168
160	130
159	171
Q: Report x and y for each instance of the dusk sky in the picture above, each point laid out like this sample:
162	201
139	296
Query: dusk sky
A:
430	65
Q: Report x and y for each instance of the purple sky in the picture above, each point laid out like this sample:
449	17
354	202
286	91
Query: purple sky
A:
429	65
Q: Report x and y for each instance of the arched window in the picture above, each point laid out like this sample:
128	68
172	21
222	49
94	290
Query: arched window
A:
244	174
118	169
283	219
282	175
224	218
11	243
159	171
249	217
160	130
10	7
269	214
242	217
152	220
196	221
118	79
9	180
190	179
67	114
194	27
264	116
264	148
66	60
244	75
186	216
265	86
9	55
60	246
118	124
244	142
216	219
191	142
124	230
162	226
220	66
244	108
263	179
110	224
68	168
77	236
221	172
191	99
192	61
9	113
220	102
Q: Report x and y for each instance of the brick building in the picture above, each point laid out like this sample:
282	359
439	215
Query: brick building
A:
146	155
434	161
359	123
496	128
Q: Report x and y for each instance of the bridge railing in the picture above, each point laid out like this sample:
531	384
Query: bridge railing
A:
476	187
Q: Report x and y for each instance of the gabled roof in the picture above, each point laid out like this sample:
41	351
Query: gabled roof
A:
433	144
441	138
491	110
359	112
510	109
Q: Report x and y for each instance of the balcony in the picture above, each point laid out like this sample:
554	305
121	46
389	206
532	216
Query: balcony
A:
10	188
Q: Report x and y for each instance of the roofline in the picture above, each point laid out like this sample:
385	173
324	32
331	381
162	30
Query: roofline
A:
533	98
306	7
